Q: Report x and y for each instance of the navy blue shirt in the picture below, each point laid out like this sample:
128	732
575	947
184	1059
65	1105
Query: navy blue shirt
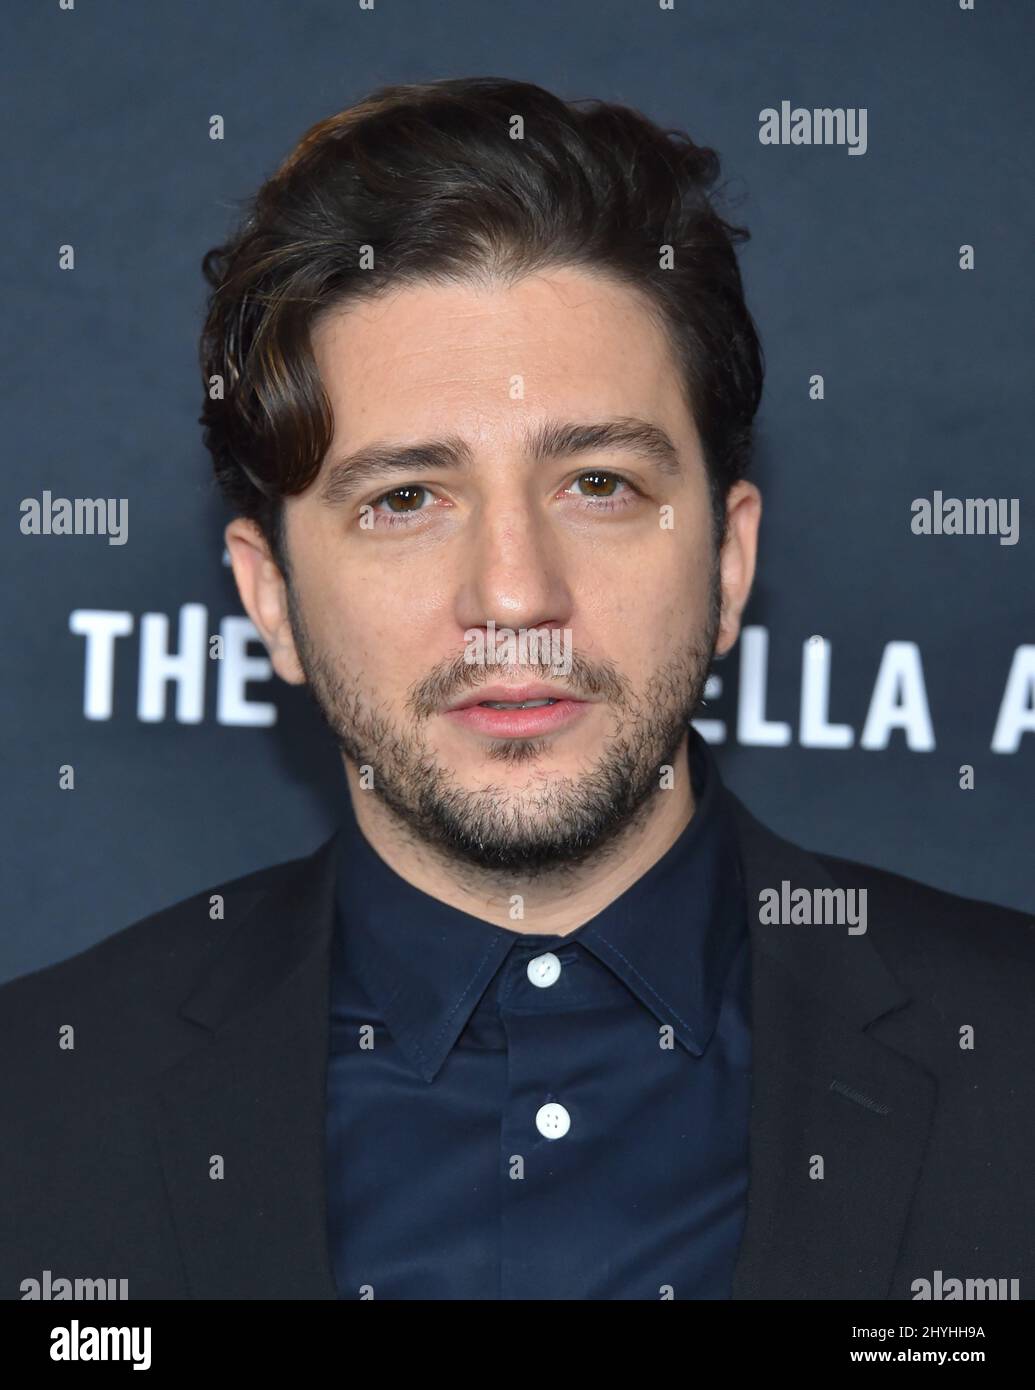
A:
515	1116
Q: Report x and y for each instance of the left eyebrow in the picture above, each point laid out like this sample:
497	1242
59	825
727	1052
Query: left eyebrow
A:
625	435
547	440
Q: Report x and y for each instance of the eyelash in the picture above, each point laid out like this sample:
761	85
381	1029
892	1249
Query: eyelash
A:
607	504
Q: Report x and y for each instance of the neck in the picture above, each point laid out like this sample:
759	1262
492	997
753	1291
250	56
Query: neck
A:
552	904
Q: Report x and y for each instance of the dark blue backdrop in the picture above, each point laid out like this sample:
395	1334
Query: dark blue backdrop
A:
853	274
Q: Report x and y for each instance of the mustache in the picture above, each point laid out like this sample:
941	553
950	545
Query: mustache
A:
587	680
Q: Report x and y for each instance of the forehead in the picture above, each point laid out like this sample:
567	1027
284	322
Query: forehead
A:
476	356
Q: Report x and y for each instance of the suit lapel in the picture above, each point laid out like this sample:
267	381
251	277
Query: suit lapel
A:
253	1094
822	1089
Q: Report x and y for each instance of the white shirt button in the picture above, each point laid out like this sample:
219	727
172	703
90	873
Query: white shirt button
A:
544	970
552	1121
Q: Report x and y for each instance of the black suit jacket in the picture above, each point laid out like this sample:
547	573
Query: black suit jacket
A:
197	1037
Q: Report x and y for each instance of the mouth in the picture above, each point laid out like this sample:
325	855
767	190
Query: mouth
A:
517	712
515	704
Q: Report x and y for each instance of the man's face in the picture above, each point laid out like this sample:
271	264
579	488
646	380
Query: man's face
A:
606	553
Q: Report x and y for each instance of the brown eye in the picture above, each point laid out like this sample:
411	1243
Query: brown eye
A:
408	499
600	484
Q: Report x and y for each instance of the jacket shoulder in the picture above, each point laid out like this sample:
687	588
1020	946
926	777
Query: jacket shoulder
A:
927	904
931	932
158	955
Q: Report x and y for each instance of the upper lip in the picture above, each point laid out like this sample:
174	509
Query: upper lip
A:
510	693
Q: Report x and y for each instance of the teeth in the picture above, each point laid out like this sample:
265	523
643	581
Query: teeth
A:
516	704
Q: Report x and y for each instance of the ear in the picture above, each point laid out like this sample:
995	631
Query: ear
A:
263	592
737	559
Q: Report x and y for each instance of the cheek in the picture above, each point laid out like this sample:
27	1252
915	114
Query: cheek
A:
640	596
381	628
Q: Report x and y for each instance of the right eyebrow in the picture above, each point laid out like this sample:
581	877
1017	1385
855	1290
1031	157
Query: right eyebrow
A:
349	475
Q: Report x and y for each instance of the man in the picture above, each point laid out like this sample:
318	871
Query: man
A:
552	1015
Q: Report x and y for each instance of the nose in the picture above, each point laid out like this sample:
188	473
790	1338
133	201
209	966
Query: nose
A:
513	570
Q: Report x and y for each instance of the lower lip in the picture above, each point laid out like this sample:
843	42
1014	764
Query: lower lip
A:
519	723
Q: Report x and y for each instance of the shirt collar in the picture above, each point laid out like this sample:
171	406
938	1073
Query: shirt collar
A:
670	937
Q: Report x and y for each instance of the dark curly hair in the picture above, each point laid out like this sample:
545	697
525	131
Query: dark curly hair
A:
428	182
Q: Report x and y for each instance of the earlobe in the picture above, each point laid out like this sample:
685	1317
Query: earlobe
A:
284	659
